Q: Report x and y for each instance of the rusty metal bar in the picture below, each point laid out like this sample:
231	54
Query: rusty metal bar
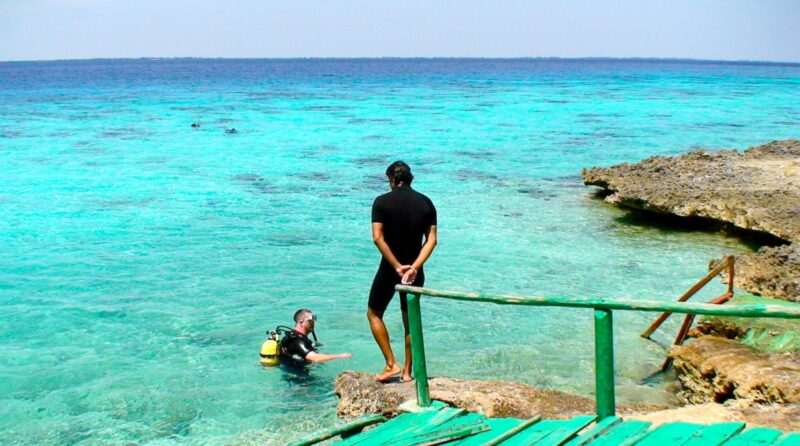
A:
726	263
731	271
687	324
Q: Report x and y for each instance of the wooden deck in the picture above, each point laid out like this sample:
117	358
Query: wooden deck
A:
452	426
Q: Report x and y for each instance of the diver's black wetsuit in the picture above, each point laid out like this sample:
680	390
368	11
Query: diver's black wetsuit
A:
293	349
406	216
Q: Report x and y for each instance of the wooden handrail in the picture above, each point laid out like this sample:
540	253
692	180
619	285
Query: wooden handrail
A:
604	348
741	310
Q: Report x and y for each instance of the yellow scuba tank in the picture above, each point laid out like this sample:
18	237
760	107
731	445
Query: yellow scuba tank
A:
269	349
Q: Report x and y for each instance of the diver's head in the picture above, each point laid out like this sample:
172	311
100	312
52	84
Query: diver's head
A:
304	320
399	175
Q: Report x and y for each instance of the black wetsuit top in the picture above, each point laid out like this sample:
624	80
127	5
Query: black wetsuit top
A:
406	216
293	349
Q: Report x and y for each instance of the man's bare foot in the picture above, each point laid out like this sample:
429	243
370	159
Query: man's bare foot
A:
388	373
406	378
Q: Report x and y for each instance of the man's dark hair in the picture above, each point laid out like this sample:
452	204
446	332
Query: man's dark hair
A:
299	314
399	172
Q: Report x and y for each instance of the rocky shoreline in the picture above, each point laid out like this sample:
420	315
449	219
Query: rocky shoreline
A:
360	394
755	192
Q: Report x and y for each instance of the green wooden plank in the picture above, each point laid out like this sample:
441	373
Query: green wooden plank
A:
757	436
442	417
714	434
466	417
670	433
563	433
598	429
514	431
324	434
561	430
387	429
406	424
532	434
499	426
625	433
404	427
456	428
790	439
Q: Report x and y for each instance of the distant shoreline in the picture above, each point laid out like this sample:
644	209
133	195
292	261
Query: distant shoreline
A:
665	60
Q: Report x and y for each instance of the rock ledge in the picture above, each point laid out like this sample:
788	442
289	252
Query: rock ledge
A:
756	191
360	394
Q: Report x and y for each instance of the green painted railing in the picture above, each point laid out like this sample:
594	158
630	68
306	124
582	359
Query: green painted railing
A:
603	329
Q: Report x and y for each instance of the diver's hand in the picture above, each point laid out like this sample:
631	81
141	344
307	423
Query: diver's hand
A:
344	355
410	276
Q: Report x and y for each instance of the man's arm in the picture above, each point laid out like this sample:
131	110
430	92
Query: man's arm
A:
427	249
383	247
325	357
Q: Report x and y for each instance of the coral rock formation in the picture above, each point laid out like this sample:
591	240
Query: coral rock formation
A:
359	393
713	369
757	190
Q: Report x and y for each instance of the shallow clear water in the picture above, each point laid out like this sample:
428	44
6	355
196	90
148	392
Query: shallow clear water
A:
142	259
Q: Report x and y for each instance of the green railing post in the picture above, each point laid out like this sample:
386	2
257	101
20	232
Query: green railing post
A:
604	363
418	351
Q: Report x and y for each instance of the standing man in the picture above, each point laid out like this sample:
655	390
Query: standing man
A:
404	231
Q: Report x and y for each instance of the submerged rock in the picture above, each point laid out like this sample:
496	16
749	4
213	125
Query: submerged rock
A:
756	191
359	394
713	369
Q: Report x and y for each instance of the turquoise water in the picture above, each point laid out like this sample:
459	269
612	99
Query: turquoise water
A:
142	259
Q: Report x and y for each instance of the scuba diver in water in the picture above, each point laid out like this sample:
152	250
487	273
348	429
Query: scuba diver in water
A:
295	350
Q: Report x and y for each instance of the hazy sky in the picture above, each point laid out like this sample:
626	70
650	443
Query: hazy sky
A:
701	29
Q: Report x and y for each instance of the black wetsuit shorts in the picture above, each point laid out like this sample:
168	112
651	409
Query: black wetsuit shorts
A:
383	285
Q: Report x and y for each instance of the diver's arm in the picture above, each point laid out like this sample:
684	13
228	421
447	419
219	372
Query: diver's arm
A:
325	357
383	247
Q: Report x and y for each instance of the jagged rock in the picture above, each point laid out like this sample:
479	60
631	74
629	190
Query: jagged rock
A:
717	327
773	272
757	190
359	394
713	369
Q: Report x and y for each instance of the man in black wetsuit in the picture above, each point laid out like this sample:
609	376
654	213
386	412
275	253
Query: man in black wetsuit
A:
400	221
296	350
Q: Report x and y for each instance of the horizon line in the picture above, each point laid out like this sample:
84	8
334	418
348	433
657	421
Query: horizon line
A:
364	58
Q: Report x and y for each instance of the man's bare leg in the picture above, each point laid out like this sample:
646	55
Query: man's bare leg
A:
407	366
381	336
